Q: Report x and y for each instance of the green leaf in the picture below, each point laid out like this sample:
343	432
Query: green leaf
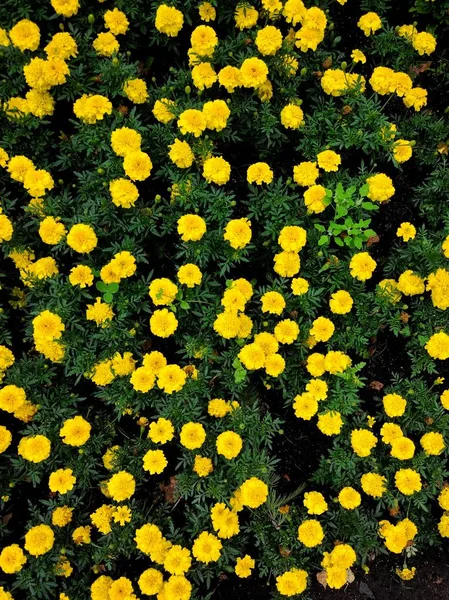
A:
108	297
239	375
319	227
184	305
323	240
101	287
112	288
370	233
369	206
364	190
339	242
357	242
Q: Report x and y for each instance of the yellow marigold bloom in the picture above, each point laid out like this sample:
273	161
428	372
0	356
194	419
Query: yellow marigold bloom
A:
424	43
328	160
244	566
203	76
286	331
268	40
207	12
106	44
394	405
411	284
25	35
438	345
273	303
4	40
162	291
178	587
99	312
217	170
292	116
116	21
406	574
169	20
402	151
408	481
373	484
294	11
123	192
202	466
380	187
163	323
171	378
305	406
229	77
75	431
125	140
341	302
330	423
154	461
314	199
229	444
322	329
121	486
336	82
82	238
245	17
4	157
48	326
349	498
161	431
254	492
315	364
67	8
390	432
259	173
203	40
358	56
189	275
252	356
151	582
362	442
62	481
192	435
181	154
310	533
39	540
315	503
300	286
51	230
416	98
44	268
406	231
292	582
92	108
443	498
12	559
62	46
191	228
362	266
443	526
39	104
19	166
238	233
136	90
61	516
369	23
37	182
402	448
137	165
253	72
305	174
433	443
6	228
162	112
5	438
16	108
192	121
34	448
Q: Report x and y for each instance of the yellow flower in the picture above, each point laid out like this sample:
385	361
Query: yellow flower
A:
67	8
62	481
192	435
328	160
203	40
245	17
12	559
363	441
369	23
82	238
39	540
244	566
373	484
216	170
100	312
163	323
330	423
310	533
207	12
362	266
394	405
106	44
116	21
229	444
292	116
189	275
408	481
137	165
253	492
268	40
75	431
181	154
136	90
273	303
406	231
51	230
437	345
203	75
202	466
191	228
349	498
34	448
25	35
424	43
314	199
150	582
154	461
229	77
380	187
253	72
433	443
358	56
121	486
292	582
416	98
171	378
192	121
169	20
